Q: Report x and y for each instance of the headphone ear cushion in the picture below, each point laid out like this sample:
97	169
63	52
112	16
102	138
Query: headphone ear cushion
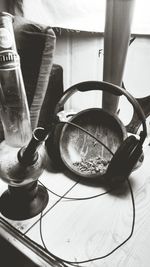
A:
124	160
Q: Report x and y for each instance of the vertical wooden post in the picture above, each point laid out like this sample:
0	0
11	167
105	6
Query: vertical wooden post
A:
118	21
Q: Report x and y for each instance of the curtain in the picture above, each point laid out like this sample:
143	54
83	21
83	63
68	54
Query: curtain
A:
82	15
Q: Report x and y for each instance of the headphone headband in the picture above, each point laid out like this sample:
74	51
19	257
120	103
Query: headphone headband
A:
110	88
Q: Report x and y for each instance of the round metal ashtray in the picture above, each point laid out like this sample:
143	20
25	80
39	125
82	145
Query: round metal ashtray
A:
89	156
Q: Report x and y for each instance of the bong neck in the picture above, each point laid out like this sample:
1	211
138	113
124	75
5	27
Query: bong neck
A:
29	155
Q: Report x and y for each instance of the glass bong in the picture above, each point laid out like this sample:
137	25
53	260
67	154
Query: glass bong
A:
21	157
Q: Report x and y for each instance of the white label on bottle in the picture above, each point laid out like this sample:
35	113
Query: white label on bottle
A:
5	38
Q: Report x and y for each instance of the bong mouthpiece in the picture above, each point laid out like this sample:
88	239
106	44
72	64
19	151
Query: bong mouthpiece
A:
28	155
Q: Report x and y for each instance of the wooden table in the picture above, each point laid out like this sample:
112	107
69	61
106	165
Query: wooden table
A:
78	230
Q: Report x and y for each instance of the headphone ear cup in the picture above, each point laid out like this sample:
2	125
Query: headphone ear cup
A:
124	160
52	147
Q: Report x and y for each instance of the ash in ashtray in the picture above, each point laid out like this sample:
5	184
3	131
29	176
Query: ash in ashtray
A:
92	166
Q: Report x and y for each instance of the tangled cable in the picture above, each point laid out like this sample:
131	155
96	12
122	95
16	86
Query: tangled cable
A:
66	263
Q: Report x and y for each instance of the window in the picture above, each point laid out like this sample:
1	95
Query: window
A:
87	15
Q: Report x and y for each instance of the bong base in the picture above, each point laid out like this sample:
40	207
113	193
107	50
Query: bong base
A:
23	206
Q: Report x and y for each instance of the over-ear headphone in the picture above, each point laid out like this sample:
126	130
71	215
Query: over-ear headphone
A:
127	155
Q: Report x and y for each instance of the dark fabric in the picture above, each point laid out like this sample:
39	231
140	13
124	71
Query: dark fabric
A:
35	45
53	95
43	80
30	47
1	132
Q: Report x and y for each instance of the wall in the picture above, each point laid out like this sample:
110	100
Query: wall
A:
81	57
78	53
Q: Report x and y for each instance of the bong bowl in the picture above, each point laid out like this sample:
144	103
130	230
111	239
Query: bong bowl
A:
82	153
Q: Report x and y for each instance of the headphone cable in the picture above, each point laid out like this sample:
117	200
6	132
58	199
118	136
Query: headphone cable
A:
88	133
99	141
67	263
77	198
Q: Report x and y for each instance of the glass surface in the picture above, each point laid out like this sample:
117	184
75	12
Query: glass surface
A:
14	108
14	111
7	38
